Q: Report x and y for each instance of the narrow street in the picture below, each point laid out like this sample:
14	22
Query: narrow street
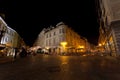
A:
47	67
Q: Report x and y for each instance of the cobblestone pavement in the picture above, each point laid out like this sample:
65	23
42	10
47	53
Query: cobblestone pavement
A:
6	59
47	67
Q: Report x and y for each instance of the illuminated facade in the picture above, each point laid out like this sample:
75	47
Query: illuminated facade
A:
109	19
3	27
60	39
11	39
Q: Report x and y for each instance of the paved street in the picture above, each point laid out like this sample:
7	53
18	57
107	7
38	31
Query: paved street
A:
47	67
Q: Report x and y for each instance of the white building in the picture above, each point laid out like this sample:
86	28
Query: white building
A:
10	38
60	39
3	27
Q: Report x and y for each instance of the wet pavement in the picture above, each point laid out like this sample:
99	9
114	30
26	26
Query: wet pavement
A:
6	59
47	67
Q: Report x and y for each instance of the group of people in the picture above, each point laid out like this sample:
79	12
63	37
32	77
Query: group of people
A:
22	52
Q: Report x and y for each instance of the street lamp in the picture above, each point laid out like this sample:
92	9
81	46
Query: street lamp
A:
81	47
47	48
100	44
64	45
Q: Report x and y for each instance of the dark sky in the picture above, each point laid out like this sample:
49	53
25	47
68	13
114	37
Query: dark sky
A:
29	18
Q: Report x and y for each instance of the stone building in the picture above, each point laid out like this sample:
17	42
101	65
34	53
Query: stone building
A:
60	39
109	19
10	38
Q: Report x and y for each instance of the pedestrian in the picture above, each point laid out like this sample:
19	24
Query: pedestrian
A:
23	53
16	51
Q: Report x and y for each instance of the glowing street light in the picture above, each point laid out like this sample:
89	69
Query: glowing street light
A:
81	47
63	45
47	48
100	44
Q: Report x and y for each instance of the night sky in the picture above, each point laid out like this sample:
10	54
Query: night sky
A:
29	18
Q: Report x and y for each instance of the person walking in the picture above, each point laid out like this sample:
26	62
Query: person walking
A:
16	51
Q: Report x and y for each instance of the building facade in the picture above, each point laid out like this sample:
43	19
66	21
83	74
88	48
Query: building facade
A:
10	38
3	28
109	19
60	39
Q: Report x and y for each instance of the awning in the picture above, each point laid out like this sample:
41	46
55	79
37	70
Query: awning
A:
2	46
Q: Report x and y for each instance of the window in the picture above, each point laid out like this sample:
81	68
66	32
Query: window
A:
54	41
47	36
50	35
106	21
54	33
60	39
62	30
6	39
49	42
59	30
63	39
